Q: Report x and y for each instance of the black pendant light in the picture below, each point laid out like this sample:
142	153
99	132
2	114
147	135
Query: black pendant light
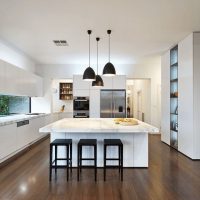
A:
98	82
89	74
109	69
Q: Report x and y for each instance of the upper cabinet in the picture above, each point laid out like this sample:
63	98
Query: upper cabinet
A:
16	81
2	76
108	84
79	83
119	82
115	82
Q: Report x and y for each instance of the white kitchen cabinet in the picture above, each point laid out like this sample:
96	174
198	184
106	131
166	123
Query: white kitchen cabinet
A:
8	138
108	83
2	76
119	82
81	93
16	81
13	138
35	124
188	96
24	135
95	103
63	115
12	80
165	98
29	84
80	84
185	108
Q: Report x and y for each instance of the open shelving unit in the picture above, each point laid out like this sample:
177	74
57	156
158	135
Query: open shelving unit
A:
66	91
174	97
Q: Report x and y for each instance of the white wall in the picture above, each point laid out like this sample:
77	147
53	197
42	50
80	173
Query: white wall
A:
14	56
150	71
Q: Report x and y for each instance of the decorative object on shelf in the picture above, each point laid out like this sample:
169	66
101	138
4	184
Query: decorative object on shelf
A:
176	111
128	112
176	126
109	69
62	108
174	94
89	74
98	82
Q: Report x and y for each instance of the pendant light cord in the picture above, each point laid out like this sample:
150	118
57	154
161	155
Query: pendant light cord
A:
109	48
97	57
89	50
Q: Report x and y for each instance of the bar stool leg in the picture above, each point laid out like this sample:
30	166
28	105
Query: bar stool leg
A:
50	163
95	162
119	155
104	164
67	146
56	160
71	157
78	163
81	158
121	162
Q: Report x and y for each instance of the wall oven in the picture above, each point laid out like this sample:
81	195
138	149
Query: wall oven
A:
81	107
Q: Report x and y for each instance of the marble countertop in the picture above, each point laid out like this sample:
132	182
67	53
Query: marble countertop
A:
95	125
10	119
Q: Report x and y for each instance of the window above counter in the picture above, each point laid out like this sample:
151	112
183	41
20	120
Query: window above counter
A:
10	105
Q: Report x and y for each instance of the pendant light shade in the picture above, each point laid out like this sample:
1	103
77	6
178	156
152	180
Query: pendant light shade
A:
98	82
89	74
109	69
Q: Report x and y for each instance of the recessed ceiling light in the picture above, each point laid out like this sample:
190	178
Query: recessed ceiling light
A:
60	43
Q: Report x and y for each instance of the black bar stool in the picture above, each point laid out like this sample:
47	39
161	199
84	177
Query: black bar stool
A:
119	144
53	163
87	142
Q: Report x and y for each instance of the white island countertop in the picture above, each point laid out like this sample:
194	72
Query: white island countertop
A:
96	125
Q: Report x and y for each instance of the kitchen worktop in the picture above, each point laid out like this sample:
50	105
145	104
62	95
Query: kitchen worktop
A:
91	125
19	117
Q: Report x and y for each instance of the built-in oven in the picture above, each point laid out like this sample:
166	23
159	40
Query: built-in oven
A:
81	107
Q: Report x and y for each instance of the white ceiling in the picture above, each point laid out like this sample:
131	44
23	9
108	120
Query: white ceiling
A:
142	29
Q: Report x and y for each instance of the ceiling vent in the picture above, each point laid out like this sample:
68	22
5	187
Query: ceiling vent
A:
60	43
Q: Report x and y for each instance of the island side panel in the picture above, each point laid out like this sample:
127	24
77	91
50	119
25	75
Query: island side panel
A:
135	147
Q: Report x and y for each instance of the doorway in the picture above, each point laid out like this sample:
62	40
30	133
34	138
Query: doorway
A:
139	99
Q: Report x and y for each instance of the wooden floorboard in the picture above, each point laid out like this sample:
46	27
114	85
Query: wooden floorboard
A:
170	176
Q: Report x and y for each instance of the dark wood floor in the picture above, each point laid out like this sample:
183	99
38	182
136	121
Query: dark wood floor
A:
169	176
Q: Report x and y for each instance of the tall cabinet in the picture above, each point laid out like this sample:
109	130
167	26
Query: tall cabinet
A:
186	90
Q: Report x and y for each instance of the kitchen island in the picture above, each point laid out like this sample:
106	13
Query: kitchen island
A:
134	138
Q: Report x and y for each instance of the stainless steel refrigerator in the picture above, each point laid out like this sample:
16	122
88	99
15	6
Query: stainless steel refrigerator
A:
113	104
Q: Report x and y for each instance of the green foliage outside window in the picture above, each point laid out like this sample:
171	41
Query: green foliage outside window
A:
4	105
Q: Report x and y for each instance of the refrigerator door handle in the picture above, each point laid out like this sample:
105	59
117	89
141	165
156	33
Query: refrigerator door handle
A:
113	109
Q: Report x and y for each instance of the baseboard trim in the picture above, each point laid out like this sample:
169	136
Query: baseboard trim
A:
23	151
173	149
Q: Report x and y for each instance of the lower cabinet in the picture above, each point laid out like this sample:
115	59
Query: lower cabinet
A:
23	135
14	139
8	140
